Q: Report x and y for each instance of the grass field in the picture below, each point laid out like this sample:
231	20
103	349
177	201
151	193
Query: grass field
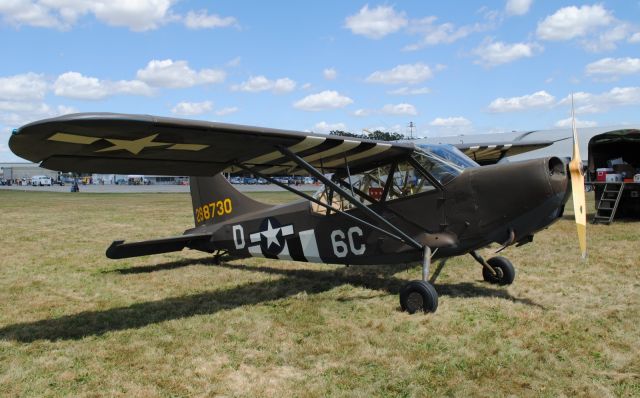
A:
74	323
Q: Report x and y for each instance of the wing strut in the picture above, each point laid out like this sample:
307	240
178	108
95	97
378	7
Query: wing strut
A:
314	172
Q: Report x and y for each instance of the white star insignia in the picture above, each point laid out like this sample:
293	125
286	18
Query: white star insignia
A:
271	234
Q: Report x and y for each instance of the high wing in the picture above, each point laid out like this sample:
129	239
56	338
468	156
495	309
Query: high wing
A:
492	152
124	144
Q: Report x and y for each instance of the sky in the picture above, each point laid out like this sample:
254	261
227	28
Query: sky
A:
447	68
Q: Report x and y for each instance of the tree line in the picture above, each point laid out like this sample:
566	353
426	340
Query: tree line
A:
374	135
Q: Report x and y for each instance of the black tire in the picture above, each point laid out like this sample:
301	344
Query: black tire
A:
418	296
505	271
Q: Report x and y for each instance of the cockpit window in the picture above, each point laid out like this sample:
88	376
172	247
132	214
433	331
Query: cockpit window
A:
450	153
443	162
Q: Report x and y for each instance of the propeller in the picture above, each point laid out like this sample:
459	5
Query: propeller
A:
577	187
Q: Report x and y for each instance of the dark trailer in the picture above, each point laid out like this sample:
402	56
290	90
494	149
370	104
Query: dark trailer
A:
614	172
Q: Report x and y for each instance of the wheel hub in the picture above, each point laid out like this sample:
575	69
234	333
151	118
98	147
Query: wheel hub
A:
415	301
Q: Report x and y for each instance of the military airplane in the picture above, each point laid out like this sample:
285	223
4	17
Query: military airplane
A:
380	202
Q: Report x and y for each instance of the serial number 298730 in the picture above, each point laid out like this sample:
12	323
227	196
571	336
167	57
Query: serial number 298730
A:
209	211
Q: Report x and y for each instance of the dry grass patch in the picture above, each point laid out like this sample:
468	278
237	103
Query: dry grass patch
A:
73	323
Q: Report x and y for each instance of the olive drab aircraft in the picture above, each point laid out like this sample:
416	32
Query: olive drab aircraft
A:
379	202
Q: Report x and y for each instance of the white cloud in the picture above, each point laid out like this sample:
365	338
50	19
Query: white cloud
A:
571	22
325	128
579	123
492	53
28	13
597	103
635	38
234	62
227	111
192	108
330	73
399	109
410	91
535	100
137	15
261	83
16	114
327	99
402	74
362	112
614	66
202	20
518	7
75	85
23	87
445	33
607	40
455	121
178	74
377	22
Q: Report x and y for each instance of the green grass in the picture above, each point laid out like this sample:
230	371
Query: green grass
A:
74	323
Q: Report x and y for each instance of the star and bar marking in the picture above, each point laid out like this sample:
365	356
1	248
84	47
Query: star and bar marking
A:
132	146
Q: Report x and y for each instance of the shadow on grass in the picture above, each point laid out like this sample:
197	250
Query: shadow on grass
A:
164	266
95	323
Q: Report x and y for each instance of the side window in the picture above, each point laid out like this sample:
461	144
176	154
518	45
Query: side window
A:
369	187
408	181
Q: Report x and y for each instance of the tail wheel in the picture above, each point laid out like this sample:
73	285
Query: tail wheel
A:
505	271
418	296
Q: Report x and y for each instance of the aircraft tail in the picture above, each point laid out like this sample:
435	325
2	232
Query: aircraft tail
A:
214	199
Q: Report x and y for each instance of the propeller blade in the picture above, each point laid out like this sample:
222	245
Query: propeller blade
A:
577	188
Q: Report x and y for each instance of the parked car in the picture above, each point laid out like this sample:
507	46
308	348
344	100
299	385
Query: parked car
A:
236	180
40	181
250	181
262	181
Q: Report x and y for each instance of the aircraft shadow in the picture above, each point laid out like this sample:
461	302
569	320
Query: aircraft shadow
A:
163	266
95	323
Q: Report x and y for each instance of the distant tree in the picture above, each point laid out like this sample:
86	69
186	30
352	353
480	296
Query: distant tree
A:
347	134
386	136
375	135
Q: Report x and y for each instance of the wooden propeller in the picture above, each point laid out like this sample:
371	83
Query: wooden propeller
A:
577	188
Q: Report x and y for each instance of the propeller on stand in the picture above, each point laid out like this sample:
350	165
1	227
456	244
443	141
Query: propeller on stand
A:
577	188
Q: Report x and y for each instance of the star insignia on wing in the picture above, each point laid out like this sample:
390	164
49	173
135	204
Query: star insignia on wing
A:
133	146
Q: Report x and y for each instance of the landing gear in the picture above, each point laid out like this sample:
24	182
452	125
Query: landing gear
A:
497	270
420	295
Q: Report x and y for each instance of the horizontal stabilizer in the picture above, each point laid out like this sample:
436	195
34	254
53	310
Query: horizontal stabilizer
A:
119	249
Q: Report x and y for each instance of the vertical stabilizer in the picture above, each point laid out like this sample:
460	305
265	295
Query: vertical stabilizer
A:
214	199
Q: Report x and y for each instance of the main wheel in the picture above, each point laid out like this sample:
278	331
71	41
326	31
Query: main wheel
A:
418	296
505	272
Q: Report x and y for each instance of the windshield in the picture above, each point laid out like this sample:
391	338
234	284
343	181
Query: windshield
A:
450	153
444	162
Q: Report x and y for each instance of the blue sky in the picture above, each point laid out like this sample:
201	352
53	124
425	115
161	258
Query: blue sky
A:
448	67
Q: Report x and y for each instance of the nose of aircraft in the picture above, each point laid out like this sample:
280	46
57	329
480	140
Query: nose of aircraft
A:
524	196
